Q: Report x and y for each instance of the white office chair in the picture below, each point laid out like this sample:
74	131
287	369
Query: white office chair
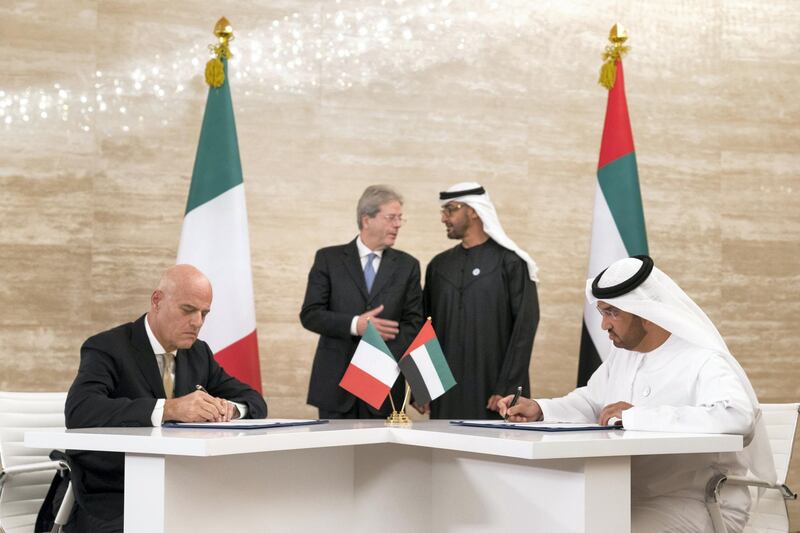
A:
26	473
768	513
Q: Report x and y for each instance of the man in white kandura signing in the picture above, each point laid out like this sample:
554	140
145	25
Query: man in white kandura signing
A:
669	370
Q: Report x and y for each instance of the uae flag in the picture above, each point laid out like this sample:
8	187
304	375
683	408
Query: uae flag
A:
425	367
215	240
618	229
372	370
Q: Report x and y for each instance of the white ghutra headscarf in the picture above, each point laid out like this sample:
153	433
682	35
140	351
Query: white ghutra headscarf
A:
477	198
636	286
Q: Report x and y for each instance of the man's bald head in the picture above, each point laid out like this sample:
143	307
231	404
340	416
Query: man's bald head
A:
178	306
181	277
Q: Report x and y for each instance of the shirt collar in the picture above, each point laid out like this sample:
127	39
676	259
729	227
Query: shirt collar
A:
363	251
157	348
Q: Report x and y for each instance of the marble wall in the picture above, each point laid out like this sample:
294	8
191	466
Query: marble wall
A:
101	103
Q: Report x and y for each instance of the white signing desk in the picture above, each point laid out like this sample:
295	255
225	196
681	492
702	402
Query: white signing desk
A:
359	476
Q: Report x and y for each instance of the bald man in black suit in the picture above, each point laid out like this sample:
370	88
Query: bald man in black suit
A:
140	374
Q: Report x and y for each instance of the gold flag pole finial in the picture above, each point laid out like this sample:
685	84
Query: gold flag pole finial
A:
215	69
613	52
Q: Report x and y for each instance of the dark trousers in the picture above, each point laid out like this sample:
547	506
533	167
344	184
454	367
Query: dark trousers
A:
82	522
359	410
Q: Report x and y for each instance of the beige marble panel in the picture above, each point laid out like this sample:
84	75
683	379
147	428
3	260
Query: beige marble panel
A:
101	104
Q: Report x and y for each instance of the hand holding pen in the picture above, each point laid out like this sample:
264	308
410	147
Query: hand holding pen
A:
226	408
527	410
513	401
198	406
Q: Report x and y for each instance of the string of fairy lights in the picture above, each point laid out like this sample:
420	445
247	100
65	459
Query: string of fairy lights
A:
294	54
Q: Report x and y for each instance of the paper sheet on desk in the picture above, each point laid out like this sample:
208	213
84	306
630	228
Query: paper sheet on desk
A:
246	423
532	426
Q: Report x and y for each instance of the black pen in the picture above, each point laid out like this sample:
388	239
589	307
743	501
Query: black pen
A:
513	401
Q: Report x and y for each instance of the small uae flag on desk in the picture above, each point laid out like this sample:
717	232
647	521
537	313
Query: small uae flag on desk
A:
372	370
425	368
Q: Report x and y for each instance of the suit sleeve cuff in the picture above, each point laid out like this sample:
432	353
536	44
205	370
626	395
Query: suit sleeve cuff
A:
242	410
157	417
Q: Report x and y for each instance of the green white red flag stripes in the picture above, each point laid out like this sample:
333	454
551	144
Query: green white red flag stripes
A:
215	239
372	370
425	367
618	228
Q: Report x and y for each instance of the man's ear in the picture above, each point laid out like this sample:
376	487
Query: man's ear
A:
652	327
156	298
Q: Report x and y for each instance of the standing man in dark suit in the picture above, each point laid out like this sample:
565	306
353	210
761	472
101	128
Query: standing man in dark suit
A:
349	284
143	373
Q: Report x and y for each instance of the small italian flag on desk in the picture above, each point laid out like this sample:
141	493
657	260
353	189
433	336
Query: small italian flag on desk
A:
425	368
372	370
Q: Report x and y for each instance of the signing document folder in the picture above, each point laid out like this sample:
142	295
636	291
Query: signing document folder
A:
247	423
533	426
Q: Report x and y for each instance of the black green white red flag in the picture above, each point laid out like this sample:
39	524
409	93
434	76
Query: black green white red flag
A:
618	228
215	239
425	367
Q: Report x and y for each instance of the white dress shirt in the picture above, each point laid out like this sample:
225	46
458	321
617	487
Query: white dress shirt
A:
157	416
363	254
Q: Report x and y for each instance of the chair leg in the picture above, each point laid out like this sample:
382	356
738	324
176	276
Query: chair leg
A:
64	511
713	489
716	517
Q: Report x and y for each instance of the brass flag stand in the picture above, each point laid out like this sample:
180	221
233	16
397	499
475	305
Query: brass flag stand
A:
399	418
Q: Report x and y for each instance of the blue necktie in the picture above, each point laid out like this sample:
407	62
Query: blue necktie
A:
369	271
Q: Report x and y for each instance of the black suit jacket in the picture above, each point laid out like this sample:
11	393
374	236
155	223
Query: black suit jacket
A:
117	384
337	292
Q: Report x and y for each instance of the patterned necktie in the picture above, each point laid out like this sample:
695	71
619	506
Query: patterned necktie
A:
369	272
169	386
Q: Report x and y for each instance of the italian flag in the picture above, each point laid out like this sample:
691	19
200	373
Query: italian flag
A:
425	367
618	229
372	370
215	240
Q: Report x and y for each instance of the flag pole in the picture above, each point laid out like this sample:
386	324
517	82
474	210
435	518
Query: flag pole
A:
405	400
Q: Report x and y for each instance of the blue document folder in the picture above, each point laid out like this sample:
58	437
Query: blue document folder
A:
532	426
248	423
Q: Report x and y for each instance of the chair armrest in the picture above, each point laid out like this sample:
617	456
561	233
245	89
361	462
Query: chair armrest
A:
716	483
785	491
10	471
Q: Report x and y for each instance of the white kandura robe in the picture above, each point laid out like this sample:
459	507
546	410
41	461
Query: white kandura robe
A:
681	388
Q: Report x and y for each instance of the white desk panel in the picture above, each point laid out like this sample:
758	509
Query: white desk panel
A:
360	476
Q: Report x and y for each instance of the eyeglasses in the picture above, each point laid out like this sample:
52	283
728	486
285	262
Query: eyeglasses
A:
395	219
449	209
610	312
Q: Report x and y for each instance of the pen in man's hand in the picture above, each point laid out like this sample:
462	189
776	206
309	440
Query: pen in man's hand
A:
200	387
513	401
